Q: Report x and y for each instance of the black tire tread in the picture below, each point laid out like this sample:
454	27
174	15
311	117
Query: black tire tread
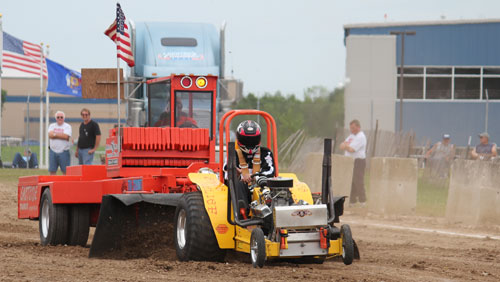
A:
201	243
258	234
347	243
61	226
79	225
58	222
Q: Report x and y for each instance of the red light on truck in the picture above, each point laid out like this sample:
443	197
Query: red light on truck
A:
186	82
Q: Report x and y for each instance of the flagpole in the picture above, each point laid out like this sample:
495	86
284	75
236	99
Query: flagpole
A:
40	154
47	108
119	107
1	70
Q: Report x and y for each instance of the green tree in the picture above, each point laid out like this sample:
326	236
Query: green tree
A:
319	114
4	97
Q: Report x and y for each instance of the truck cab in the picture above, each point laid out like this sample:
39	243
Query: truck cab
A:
161	49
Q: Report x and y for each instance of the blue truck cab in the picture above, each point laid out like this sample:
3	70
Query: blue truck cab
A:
164	48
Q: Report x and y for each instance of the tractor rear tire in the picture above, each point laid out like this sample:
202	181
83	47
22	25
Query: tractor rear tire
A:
257	248
347	244
53	221
79	225
194	236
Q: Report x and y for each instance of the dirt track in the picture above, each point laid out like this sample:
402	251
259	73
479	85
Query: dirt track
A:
387	254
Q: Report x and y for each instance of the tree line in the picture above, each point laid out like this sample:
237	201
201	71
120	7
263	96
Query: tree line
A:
319	113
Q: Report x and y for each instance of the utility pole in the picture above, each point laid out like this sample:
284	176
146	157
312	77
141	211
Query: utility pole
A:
486	112
401	81
1	59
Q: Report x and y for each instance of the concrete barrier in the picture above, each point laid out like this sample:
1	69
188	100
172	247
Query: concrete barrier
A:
474	192
342	169
393	185
312	171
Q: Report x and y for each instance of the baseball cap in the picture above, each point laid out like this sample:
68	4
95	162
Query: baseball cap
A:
484	134
446	136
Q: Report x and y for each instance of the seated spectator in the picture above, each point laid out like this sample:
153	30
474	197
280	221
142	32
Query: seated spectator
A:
485	150
440	156
28	157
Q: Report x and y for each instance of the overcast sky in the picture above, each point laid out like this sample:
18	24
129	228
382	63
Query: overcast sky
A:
285	45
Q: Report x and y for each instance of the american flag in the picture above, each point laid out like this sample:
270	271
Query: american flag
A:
22	55
118	32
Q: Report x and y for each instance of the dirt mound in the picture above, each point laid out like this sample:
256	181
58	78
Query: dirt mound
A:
152	239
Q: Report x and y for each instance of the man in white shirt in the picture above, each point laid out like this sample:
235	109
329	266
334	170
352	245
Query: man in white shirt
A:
59	134
355	146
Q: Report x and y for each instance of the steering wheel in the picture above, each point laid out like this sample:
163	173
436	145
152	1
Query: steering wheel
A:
188	124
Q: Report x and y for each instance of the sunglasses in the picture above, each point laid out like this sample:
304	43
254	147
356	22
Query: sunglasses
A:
84	115
59	117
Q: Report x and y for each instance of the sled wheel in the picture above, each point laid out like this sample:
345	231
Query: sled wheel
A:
347	244
53	221
79	225
257	248
194	237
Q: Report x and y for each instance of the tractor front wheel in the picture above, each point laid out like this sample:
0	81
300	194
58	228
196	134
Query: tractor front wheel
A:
194	237
53	221
257	247
347	244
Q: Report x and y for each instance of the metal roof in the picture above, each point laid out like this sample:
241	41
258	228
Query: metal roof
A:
444	45
421	23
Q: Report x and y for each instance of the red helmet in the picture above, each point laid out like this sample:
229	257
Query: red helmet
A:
248	136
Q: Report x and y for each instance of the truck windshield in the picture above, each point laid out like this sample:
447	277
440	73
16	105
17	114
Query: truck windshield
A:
159	104
193	109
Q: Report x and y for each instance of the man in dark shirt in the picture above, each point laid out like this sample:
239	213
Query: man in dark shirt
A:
88	139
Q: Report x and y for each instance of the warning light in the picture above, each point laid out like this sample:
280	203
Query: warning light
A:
201	82
186	82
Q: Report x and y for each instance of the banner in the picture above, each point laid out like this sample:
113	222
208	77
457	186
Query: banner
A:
63	80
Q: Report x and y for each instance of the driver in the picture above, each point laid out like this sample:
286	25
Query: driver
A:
183	120
251	158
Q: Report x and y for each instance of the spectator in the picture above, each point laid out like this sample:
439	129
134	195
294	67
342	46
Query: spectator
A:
88	140
485	150
29	158
59	134
440	156
355	146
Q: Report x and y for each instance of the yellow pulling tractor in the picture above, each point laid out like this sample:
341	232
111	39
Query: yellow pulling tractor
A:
284	220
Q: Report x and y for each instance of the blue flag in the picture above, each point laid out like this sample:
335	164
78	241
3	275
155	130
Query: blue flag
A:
63	80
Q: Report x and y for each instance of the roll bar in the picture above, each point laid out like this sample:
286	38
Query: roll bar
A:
224	126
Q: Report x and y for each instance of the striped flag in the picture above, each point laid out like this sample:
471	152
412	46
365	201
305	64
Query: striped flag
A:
118	32
22	55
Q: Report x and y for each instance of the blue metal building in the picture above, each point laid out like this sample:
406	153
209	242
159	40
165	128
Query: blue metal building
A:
452	77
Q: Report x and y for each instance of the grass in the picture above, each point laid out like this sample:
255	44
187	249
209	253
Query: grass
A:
11	175
432	197
8	152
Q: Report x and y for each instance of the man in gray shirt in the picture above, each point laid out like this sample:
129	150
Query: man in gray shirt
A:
485	150
440	156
